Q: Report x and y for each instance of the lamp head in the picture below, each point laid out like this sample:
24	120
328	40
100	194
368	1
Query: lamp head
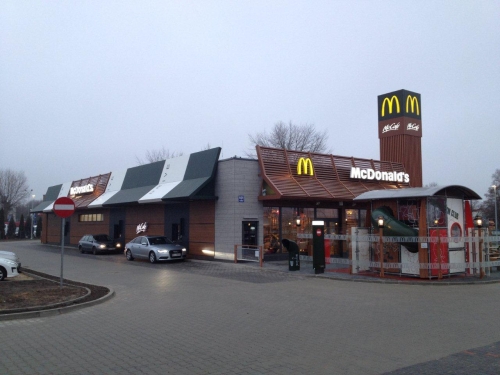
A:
380	222
478	221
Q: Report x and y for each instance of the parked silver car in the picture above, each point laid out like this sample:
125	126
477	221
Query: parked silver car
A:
154	248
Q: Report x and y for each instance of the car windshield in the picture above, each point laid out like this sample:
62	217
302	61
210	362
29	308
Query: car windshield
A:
159	241
101	237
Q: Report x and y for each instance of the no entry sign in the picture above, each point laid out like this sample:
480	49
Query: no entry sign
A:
64	207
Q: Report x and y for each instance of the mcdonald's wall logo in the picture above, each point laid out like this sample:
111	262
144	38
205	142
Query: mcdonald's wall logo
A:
402	103
305	166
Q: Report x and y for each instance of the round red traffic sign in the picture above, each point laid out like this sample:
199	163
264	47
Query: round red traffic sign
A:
64	207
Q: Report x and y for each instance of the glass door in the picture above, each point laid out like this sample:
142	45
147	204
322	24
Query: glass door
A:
333	248
249	233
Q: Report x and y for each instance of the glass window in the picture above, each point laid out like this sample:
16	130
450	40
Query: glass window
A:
271	229
288	223
408	212
362	219
436	212
90	217
159	241
327	213
102	237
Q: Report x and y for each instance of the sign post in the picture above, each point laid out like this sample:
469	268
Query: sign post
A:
63	207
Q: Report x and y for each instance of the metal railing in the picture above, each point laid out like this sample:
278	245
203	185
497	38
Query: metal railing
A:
248	253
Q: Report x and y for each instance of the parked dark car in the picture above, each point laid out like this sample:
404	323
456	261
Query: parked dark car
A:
95	243
154	248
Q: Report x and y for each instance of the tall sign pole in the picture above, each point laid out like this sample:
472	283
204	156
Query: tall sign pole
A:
400	131
63	207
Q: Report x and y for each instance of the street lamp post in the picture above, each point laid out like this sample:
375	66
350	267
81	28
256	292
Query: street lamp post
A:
496	212
31	213
380	223
440	273
478	222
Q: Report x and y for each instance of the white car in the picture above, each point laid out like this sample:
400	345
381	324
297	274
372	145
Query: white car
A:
8	268
11	256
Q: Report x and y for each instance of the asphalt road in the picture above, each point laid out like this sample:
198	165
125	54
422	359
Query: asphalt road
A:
198	317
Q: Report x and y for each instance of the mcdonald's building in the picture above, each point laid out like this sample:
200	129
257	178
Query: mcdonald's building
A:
210	205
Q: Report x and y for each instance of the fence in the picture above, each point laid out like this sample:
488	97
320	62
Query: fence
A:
248	253
475	254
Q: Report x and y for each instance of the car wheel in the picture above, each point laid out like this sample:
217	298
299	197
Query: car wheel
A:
81	249
152	257
129	256
94	251
3	273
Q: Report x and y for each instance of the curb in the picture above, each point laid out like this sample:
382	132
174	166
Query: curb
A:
56	311
331	276
49	306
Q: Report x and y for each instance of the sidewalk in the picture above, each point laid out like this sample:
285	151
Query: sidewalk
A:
341	272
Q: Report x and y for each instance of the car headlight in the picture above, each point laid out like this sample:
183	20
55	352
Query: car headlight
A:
11	262
184	250
102	246
118	245
163	251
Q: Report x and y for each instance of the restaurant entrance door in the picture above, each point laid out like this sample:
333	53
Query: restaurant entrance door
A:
333	248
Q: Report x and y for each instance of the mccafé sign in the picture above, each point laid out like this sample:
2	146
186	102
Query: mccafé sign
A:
402	103
305	166
143	227
391	127
370	174
79	190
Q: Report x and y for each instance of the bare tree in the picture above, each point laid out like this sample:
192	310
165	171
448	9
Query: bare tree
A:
157	155
291	137
431	184
25	207
487	207
13	189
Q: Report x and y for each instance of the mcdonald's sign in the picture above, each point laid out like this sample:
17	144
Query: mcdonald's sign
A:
414	104
402	103
305	166
390	103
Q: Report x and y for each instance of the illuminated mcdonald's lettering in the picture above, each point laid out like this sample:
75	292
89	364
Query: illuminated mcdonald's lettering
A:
390	103
306	164
77	190
414	104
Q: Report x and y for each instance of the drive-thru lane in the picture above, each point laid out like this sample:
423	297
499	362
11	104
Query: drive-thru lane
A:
199	317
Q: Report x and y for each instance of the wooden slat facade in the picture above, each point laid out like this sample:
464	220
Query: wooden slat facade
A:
406	150
202	228
99	182
331	180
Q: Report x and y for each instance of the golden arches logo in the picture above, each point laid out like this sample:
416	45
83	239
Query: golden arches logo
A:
305	164
390	102
414	104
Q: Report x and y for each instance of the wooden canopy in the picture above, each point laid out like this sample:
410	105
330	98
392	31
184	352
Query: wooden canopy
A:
330	180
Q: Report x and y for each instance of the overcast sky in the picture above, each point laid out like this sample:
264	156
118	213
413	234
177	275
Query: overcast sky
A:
88	86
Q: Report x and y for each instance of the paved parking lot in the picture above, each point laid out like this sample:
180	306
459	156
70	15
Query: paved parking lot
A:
202	317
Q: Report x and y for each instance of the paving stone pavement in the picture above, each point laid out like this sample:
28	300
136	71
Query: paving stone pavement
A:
200	317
